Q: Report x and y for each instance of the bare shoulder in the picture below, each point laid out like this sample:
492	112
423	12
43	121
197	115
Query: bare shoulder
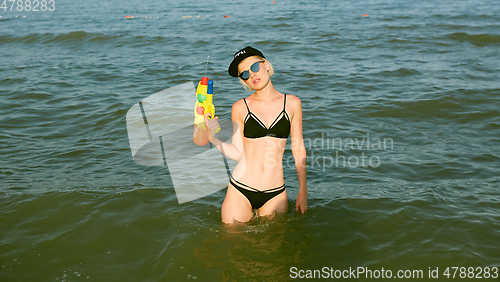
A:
293	101
294	104
238	110
239	105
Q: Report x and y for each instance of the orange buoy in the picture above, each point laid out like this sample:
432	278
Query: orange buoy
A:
127	17
364	15
226	16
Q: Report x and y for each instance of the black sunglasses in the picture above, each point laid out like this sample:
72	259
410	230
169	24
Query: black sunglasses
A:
255	67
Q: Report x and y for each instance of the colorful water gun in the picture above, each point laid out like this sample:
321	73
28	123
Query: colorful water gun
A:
204	104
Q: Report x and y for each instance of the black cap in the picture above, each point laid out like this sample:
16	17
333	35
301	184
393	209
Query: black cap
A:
240	56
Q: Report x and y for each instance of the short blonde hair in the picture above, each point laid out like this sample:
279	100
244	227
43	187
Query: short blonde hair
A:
271	72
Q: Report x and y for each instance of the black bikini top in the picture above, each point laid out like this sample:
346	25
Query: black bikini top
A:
255	128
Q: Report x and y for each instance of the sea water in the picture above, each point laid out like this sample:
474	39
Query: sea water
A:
401	123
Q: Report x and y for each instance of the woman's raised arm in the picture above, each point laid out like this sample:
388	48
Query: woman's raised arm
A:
234	150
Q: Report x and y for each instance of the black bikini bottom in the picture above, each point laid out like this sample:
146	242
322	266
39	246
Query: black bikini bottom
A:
256	197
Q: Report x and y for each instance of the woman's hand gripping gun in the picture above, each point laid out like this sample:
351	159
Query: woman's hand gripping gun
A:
204	104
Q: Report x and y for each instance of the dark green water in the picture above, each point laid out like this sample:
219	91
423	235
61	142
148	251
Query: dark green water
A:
417	80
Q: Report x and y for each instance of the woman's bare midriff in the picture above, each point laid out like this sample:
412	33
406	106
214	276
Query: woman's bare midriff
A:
261	165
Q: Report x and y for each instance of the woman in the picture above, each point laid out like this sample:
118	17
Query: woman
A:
261	125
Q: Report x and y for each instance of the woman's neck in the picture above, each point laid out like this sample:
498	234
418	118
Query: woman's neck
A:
266	94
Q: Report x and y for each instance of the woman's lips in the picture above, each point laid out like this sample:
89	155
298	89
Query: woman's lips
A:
256	80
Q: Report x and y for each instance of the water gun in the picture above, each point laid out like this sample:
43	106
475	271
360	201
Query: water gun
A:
204	104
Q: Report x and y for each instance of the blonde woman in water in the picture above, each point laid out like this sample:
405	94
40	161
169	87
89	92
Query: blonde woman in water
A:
262	123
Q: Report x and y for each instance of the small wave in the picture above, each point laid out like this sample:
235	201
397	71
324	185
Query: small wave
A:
399	42
492	126
274	43
466	17
476	39
80	37
414	26
72	36
448	107
13	81
451	26
330	34
284	18
399	72
437	108
469	17
75	36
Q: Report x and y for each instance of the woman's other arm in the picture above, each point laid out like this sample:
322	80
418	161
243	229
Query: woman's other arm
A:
299	152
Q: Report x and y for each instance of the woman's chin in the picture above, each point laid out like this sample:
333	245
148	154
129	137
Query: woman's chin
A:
261	84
